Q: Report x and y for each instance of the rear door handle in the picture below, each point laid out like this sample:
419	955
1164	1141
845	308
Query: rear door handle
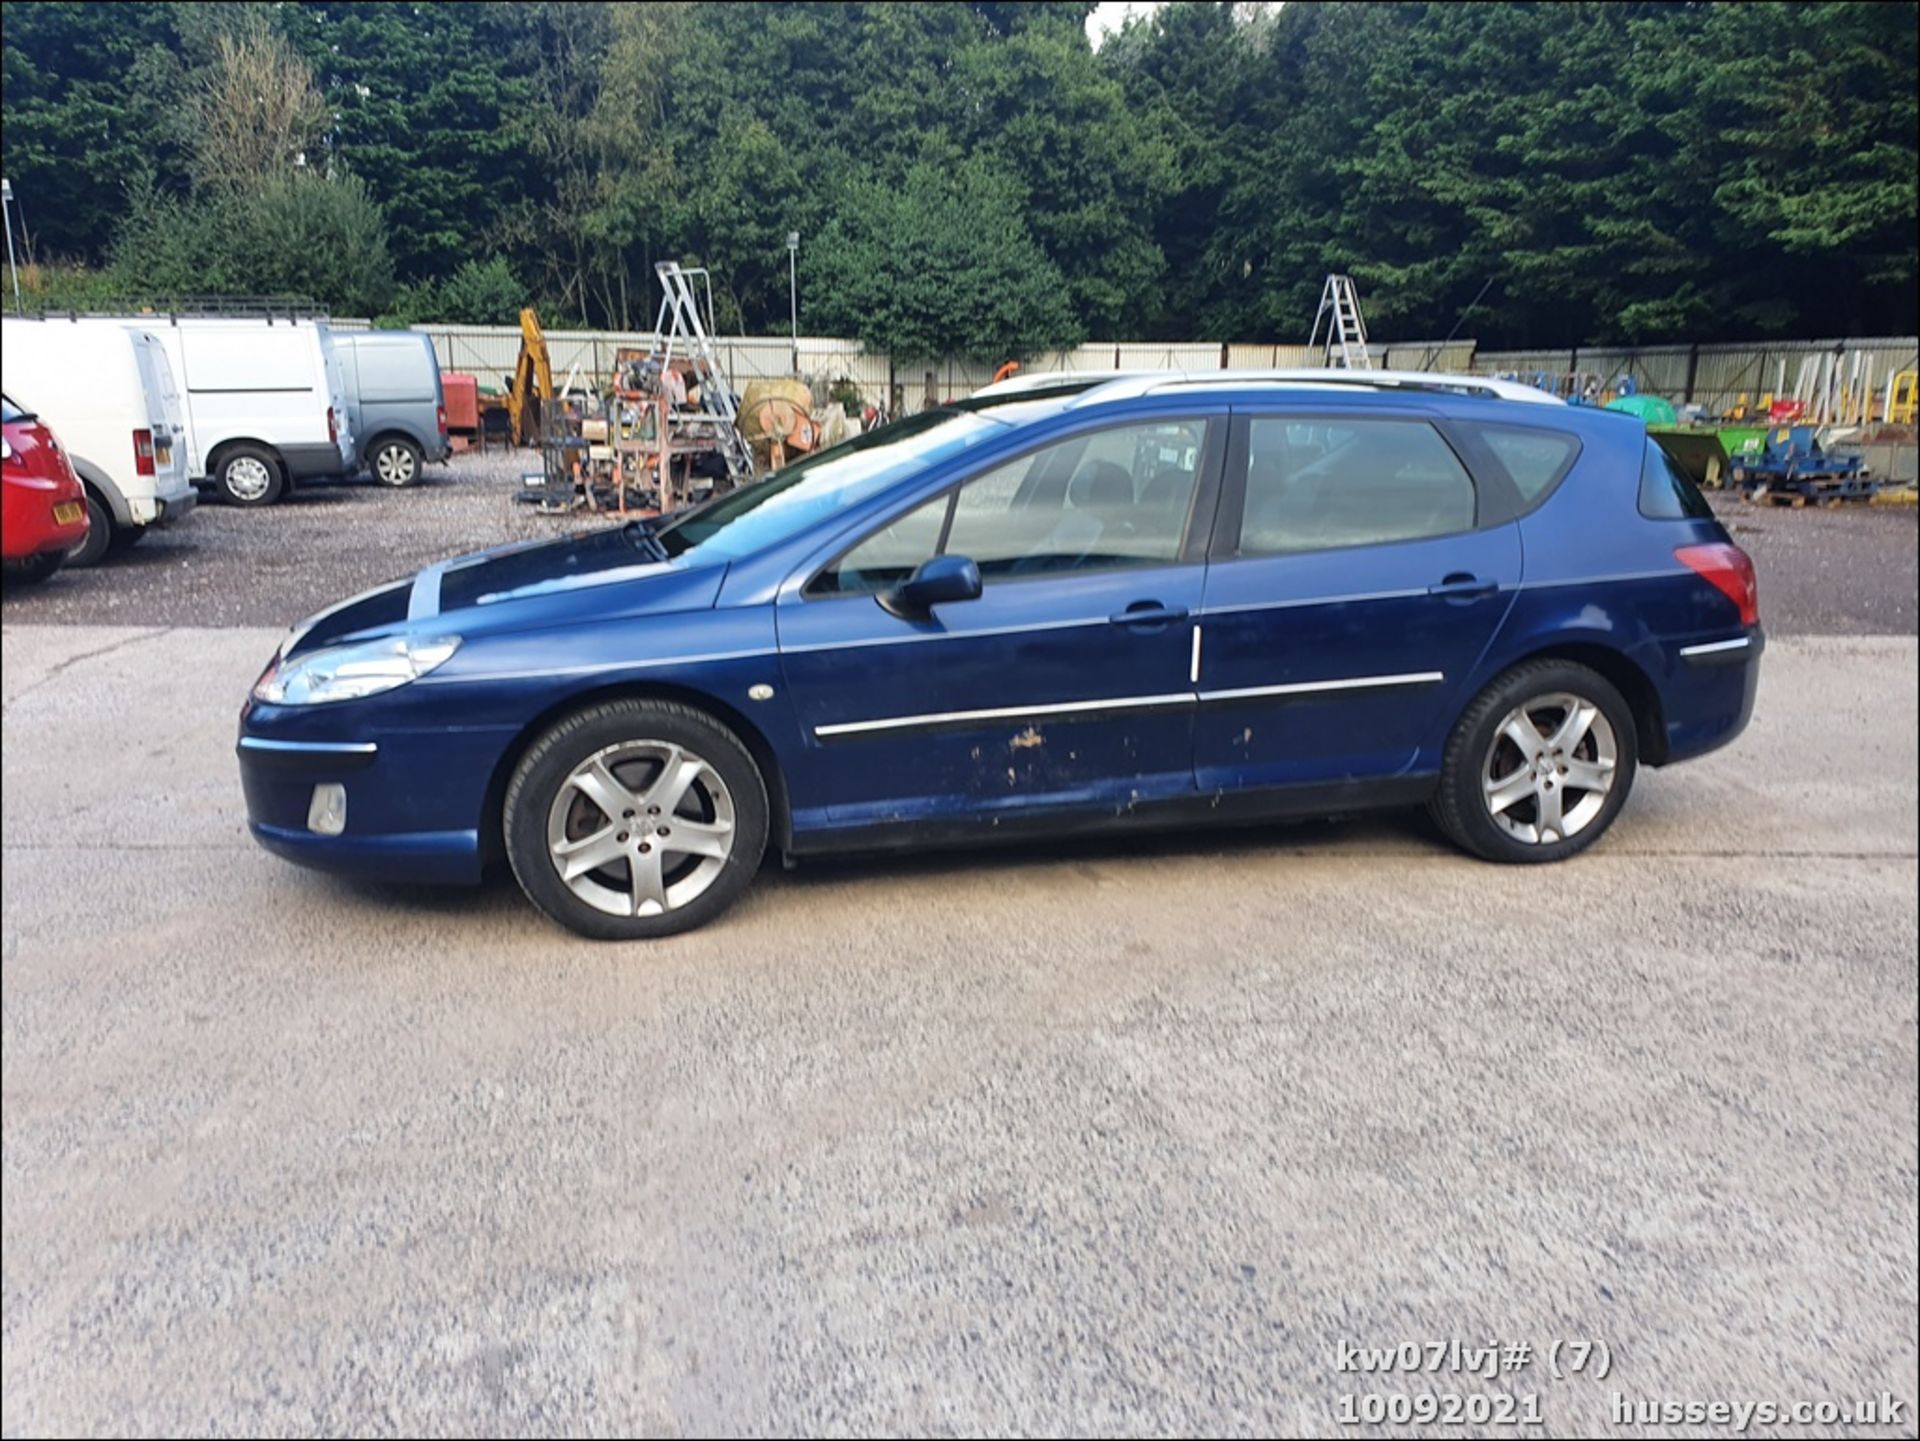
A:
1148	612
1463	587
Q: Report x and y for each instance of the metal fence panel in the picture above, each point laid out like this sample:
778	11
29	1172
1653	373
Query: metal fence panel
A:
1720	374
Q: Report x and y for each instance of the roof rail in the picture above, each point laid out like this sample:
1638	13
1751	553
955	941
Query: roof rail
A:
179	307
1431	382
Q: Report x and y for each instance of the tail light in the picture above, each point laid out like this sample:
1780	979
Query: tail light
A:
143	452
1730	571
333	426
440	414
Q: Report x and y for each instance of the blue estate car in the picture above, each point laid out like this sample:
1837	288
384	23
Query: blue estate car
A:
1085	602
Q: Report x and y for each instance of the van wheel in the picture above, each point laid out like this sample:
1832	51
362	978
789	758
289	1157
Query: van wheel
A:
635	819
250	475
100	532
1539	766
396	462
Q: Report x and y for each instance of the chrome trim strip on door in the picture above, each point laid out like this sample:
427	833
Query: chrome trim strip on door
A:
1134	702
1193	671
1012	712
1711	647
331	748
1312	687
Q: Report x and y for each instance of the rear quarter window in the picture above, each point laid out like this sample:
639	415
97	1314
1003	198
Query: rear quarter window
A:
1534	460
1666	491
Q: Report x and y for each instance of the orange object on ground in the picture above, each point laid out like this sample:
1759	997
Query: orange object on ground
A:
462	394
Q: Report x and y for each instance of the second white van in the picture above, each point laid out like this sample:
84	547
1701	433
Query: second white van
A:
265	403
109	391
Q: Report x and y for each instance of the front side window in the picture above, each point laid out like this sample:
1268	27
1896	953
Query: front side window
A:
1116	498
1318	484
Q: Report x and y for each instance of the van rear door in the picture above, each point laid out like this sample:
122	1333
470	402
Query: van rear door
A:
172	460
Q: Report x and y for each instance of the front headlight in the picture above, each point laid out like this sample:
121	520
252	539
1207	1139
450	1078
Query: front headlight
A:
348	672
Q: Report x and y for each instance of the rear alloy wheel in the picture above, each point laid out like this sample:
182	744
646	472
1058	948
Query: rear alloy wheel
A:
1539	765
396	463
635	819
248	475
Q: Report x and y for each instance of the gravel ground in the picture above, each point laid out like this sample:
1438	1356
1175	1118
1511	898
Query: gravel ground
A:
226	566
1847	571
1085	1139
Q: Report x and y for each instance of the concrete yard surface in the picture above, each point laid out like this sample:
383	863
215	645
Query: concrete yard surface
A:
1127	1137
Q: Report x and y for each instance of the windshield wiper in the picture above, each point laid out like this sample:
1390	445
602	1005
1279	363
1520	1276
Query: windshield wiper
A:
640	534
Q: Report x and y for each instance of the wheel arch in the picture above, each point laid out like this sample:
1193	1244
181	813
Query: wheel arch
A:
101	484
390	430
1625	674
779	827
234	442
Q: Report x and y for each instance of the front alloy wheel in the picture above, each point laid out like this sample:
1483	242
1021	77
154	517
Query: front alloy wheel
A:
635	818
641	828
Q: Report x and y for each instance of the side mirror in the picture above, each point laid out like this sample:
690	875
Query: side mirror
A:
944	578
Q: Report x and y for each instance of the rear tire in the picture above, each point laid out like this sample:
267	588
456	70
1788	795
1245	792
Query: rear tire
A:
34	569
100	533
1539	766
656	812
396	462
249	475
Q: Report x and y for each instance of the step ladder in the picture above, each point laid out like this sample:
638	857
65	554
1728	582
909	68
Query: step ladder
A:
1346	344
679	328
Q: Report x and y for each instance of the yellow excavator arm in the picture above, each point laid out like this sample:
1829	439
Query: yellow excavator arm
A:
532	380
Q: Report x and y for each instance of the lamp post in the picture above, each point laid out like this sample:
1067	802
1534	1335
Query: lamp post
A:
6	214
793	290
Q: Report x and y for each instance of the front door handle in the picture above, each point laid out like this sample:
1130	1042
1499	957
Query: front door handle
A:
1463	587
1148	612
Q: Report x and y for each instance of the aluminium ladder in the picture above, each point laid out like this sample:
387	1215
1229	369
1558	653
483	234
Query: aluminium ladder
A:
1346	331
682	309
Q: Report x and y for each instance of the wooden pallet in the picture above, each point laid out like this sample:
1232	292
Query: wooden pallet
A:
1813	490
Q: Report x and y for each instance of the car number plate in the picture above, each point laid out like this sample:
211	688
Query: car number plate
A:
67	512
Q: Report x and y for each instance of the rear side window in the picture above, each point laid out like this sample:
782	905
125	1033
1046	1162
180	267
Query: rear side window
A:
1666	491
1327	484
1535	460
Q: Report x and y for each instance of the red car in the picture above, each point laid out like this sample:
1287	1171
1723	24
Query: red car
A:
45	511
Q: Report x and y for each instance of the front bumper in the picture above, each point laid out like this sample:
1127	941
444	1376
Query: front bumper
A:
415	800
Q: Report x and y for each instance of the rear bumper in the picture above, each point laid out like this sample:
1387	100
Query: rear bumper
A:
28	523
162	509
1708	698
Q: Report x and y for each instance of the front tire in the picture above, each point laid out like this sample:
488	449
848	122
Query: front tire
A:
635	819
396	462
250	475
1539	766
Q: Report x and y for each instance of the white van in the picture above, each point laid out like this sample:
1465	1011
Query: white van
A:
109	392
265	401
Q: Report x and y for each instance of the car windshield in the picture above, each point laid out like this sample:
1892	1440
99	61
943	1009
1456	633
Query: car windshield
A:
810	490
